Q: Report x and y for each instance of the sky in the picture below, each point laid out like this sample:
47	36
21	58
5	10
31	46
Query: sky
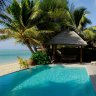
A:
89	4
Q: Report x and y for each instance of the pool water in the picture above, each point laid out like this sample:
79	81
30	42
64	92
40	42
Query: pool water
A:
47	81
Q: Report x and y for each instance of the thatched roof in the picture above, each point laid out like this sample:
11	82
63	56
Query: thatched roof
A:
68	38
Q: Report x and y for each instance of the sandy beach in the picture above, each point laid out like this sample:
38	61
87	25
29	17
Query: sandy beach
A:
9	68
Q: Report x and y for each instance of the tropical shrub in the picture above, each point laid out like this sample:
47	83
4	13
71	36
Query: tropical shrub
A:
40	58
23	63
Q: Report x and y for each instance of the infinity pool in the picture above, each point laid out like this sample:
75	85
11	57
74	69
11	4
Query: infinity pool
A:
47	81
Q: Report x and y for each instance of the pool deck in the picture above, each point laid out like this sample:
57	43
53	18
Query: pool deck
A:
91	69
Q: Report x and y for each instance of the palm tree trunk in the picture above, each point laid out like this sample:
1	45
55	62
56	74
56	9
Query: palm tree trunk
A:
31	50
42	47
34	47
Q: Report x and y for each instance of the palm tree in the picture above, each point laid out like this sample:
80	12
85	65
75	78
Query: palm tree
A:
76	19
26	24
34	21
59	16
20	18
53	15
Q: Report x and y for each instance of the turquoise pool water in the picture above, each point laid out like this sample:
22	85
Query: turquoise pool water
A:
47	81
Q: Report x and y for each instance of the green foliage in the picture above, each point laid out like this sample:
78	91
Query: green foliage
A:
21	24
89	34
39	20
53	14
76	19
40	58
4	37
23	63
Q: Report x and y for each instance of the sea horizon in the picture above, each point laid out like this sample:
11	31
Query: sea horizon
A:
9	56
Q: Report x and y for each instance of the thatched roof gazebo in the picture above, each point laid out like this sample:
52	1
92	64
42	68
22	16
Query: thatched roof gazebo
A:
68	38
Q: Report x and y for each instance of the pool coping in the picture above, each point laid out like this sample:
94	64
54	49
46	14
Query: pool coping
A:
51	65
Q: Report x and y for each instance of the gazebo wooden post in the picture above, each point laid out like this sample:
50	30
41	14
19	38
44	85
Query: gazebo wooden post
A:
52	51
80	54
54	48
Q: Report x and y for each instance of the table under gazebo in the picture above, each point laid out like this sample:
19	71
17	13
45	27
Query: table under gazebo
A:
67	38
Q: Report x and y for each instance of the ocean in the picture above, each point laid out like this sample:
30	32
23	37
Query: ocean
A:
10	56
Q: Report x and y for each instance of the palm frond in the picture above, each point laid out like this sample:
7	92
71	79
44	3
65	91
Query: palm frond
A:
8	25
5	18
78	14
31	32
13	11
4	31
84	21
4	37
26	7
